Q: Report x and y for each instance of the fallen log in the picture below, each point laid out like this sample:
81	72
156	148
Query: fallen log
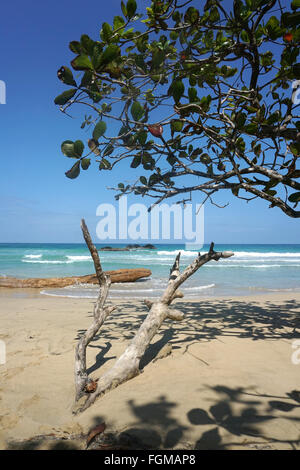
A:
119	275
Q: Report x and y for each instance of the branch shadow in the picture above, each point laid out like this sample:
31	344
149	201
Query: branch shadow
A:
234	417
100	358
254	411
204	320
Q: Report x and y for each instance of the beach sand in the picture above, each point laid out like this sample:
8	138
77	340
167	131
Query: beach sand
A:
229	382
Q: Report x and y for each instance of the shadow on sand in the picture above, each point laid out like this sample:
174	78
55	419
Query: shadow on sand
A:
235	417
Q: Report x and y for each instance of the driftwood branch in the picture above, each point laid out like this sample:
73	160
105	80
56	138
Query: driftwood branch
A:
128	364
100	315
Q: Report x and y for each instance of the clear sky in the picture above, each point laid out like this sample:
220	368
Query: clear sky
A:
37	202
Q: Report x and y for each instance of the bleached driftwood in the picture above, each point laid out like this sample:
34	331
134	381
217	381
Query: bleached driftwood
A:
127	366
100	314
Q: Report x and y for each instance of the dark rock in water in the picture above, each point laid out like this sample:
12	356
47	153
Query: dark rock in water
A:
141	247
132	246
119	275
110	248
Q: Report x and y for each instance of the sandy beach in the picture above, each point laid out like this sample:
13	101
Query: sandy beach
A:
229	382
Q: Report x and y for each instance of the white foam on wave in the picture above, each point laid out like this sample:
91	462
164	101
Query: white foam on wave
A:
46	261
52	294
208	286
256	266
80	291
175	252
140	291
80	258
33	256
237	254
271	254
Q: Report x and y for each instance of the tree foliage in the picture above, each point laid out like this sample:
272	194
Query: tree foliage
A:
206	99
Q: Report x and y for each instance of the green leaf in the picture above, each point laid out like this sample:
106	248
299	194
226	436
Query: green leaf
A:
244	36
176	125
295	197
137	111
104	165
214	15
65	75
158	58
97	55
75	47
86	79
205	103
271	192
191	15
240	119
251	128
96	97
295	4
109	54
273	28
171	160
148	161
296	71
136	161
241	145
85	163
176	90
142	137
118	22
99	130
87	44
108	150
295	148
290	19
65	97
143	180
78	147
192	92
131	8
123	8
93	145
82	62
205	158
106	32
67	148
274	117
74	171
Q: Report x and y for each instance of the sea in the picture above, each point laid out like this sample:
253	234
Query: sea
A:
254	269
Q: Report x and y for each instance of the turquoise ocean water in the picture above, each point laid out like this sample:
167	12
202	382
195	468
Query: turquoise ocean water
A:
253	269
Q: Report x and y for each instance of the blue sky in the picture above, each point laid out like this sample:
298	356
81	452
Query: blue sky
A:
37	202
